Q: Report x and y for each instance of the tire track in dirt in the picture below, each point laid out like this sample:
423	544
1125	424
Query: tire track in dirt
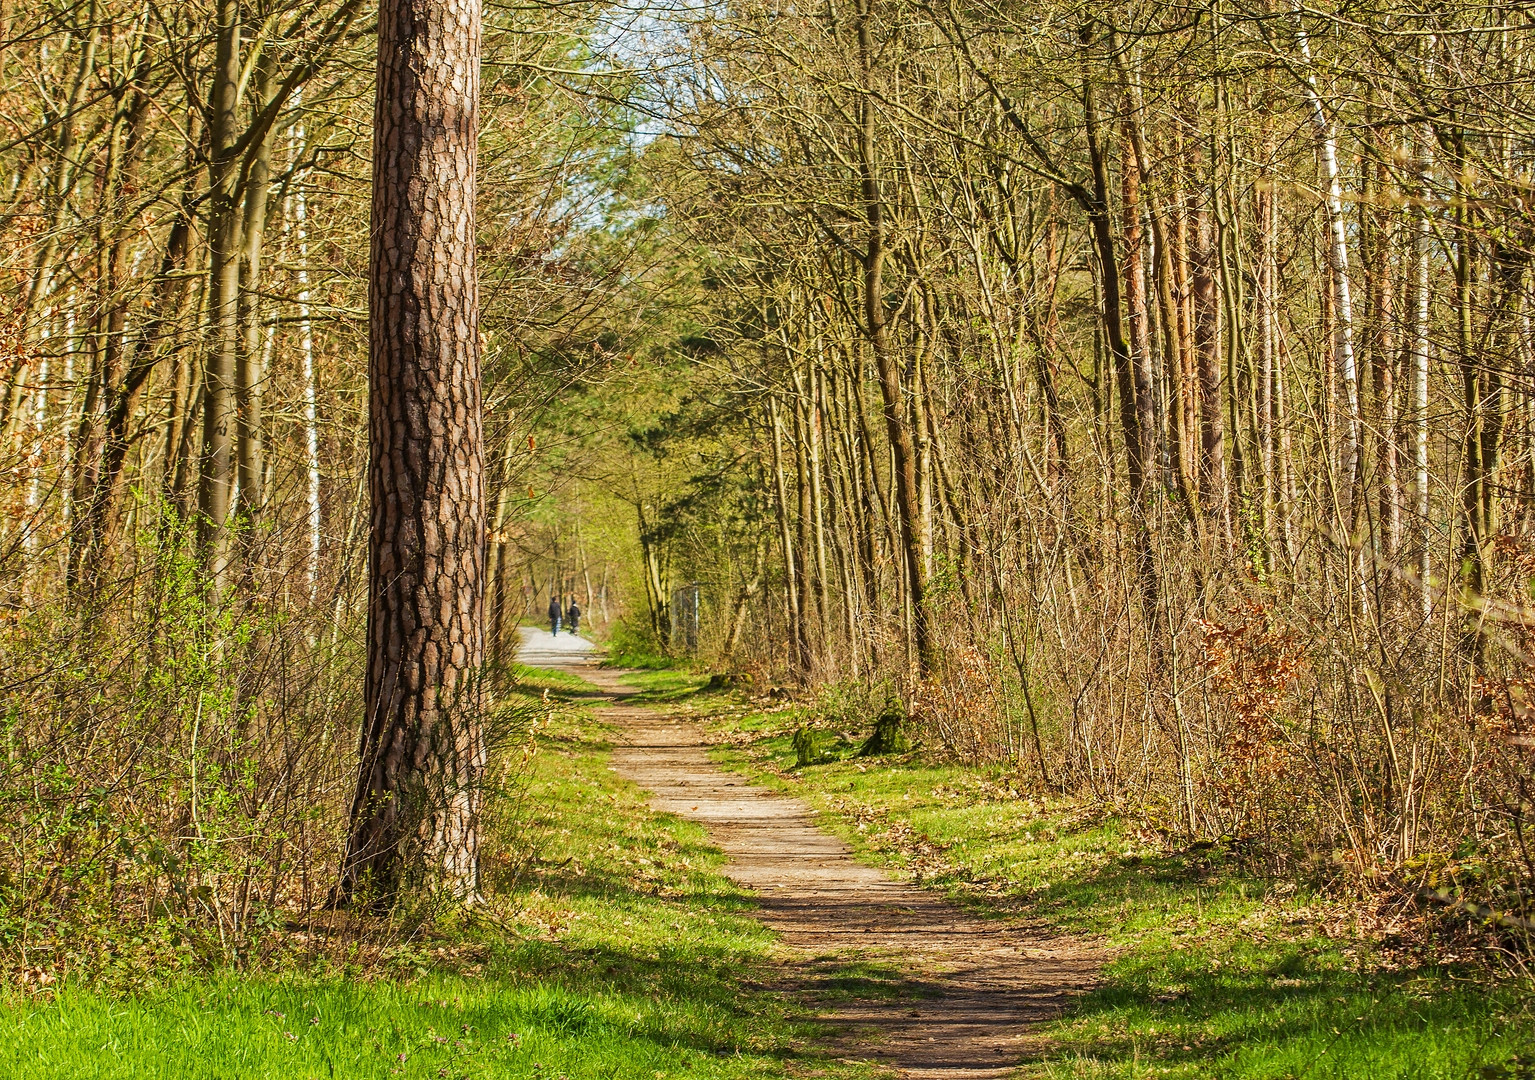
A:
967	992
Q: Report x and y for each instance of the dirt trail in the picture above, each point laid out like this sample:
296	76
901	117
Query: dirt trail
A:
970	990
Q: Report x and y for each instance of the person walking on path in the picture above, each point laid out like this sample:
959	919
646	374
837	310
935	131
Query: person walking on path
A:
554	615
573	613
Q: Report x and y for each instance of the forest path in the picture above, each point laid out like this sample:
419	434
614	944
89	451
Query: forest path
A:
966	992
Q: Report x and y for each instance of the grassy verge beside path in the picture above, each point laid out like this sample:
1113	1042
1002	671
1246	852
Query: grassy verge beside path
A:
622	952
1215	972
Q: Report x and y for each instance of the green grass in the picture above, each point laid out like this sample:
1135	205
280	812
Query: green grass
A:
1212	971
535	679
621	952
664	686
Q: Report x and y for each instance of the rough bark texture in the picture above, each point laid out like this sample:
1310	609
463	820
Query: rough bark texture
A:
415	818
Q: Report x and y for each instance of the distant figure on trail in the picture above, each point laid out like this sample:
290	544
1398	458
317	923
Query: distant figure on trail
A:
573	613
554	615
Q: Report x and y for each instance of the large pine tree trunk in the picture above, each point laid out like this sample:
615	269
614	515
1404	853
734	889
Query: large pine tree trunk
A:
415	819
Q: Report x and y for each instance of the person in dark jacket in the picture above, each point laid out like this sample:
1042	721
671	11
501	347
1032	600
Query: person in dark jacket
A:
573	613
554	615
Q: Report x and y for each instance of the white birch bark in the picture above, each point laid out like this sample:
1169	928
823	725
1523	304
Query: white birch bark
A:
1337	259
67	487
300	219
35	463
1343	333
1422	241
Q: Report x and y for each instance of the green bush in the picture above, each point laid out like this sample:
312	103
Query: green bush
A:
634	645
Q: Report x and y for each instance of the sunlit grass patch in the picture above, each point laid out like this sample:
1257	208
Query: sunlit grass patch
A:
537	679
659	687
499	1025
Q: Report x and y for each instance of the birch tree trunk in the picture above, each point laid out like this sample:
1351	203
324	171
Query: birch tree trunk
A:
1264	275
1337	262
1384	359
300	225
1422	246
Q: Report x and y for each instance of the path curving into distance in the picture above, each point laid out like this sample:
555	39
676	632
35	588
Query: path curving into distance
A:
970	991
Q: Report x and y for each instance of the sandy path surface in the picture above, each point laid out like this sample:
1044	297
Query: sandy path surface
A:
968	991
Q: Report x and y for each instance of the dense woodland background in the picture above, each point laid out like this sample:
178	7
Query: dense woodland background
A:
1140	396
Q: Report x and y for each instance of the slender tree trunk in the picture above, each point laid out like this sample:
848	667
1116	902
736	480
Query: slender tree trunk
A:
1146	430
1137	308
1057	469
1264	316
1112	318
121	371
1167	299
1474	536
416	814
846	541
811	586
793	598
1285	466
215	489
882	534
1423	239
1337	262
877	325
861	509
817	505
1204	258
249	374
174	474
1384	358
300	225
497	589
